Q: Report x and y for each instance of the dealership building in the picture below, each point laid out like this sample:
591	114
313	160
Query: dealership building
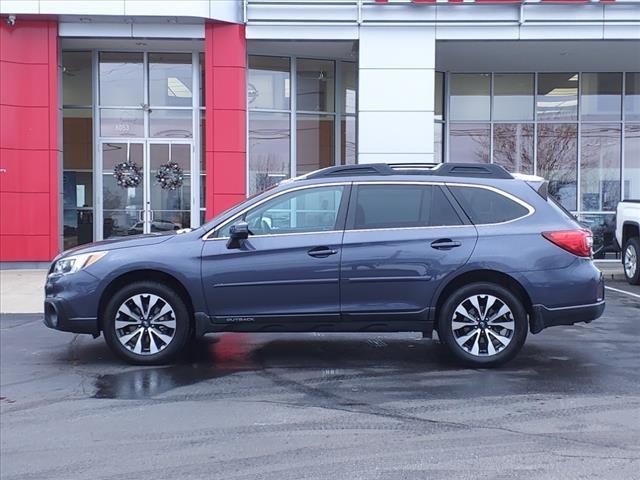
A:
120	117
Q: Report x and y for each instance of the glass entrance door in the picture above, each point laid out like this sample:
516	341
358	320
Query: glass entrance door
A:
146	187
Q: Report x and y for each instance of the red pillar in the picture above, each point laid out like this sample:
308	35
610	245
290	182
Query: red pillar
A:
28	141
225	128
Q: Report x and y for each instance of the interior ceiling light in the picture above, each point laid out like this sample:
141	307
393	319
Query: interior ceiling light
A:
175	88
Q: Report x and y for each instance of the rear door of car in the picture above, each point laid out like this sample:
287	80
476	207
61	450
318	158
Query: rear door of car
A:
401	240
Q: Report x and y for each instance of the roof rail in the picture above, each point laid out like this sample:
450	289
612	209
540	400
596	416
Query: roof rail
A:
441	169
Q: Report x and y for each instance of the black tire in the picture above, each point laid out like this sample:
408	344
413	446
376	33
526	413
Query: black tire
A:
632	246
168	351
502	354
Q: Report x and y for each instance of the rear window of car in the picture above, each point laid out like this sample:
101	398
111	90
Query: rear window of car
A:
487	206
402	206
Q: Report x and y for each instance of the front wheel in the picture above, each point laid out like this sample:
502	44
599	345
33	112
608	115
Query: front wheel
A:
631	261
483	324
146	323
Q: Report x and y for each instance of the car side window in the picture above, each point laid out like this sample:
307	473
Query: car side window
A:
402	206
486	206
300	211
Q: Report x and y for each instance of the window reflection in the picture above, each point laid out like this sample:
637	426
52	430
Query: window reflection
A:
557	160
470	96
469	142
269	154
557	96
632	96
170	79
600	166
513	146
315	85
268	86
121	81
601	96
632	161
315	147
513	96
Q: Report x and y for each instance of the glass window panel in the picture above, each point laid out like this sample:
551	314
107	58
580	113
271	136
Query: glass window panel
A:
77	139
349	87
469	142
601	96
603	227
439	95
557	96
169	205
600	166
269	84
315	86
513	96
486	206
168	220
171	123
406	206
269	150
122	222
309	210
170	80
121	123
76	78
121	79
437	142
513	146
116	197
632	96
115	153
632	161
203	89
557	159
469	97
348	141
77	227
315	147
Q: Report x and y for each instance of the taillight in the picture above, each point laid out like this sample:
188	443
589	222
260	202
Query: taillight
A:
578	242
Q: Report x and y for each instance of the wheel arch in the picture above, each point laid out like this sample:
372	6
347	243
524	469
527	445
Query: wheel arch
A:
630	229
140	276
483	275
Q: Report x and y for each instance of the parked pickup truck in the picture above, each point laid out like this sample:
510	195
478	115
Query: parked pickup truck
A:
628	236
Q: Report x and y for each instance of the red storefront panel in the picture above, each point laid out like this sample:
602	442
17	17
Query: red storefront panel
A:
225	83
28	141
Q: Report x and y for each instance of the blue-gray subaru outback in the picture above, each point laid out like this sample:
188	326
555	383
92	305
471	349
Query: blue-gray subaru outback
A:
467	250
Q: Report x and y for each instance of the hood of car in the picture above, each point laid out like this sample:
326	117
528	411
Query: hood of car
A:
122	242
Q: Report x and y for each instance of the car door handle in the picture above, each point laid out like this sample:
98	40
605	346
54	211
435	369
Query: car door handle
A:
445	244
321	252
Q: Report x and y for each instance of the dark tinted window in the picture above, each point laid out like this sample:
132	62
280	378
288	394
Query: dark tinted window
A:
487	206
401	206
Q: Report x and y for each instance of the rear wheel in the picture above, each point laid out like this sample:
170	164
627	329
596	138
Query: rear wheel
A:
146	323
630	260
483	324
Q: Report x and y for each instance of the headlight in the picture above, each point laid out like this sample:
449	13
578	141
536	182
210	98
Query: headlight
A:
76	262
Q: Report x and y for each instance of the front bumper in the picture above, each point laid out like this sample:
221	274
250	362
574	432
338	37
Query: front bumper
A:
70	303
56	317
543	317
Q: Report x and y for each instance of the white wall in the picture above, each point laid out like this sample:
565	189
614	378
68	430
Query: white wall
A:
396	87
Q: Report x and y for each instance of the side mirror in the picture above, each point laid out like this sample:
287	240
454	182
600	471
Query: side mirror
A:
238	232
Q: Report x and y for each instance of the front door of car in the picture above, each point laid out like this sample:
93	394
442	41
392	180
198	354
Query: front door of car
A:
288	266
400	241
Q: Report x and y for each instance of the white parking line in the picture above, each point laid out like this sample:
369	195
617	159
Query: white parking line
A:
622	291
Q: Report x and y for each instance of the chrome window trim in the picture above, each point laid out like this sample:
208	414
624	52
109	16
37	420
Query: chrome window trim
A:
211	232
531	210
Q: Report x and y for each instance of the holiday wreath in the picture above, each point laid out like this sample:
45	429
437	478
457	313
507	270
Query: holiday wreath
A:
170	176
127	174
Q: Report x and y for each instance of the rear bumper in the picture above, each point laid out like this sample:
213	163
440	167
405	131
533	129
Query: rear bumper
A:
543	317
56	317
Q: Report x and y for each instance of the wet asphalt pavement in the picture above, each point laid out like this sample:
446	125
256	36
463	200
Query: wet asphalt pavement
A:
317	406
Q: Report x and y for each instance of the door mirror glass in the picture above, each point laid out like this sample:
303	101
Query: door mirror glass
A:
238	232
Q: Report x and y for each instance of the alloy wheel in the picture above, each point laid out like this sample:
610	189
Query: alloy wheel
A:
630	261
145	324
483	325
